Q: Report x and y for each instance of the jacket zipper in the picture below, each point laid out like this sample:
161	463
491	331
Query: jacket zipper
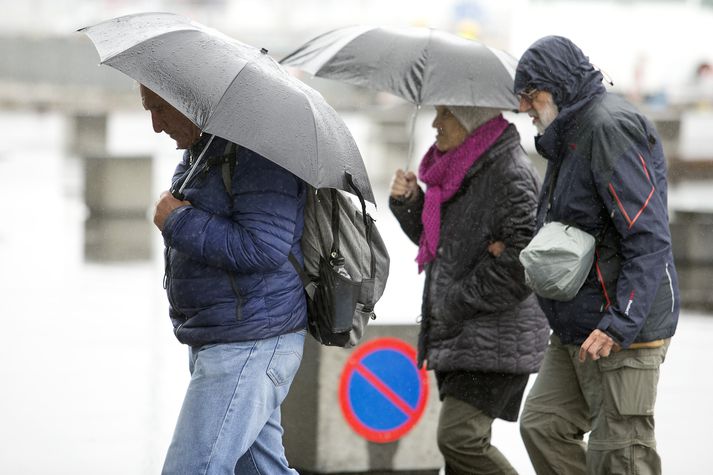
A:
239	305
167	285
670	285
167	275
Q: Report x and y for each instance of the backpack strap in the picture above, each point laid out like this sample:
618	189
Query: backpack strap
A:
368	220
227	168
309	285
335	257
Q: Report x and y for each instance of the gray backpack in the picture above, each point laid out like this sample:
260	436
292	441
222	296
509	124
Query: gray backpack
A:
346	261
346	266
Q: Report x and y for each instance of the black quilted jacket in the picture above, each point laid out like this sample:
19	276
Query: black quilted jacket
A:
477	313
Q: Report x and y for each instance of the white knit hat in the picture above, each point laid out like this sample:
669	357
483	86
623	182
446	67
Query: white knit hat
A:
472	117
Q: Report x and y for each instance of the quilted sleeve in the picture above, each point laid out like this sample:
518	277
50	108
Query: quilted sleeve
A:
260	233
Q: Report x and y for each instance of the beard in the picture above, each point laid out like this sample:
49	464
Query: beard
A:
546	116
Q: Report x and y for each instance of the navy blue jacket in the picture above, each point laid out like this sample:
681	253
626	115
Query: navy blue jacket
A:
228	277
610	175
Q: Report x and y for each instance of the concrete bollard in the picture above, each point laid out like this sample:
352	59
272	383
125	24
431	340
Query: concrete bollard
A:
691	235
117	192
88	134
320	440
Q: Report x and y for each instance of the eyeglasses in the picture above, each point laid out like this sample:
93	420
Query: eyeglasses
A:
528	95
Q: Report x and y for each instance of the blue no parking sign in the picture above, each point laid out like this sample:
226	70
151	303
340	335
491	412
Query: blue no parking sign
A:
382	392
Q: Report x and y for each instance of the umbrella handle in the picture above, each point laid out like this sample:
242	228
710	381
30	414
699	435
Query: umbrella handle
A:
411	135
178	194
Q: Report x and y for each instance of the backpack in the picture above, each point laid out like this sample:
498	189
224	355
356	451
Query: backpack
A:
346	266
346	263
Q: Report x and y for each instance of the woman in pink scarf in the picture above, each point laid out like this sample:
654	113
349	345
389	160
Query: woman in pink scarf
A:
482	331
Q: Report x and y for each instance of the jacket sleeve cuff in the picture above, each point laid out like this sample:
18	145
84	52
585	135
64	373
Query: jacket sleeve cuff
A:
607	326
170	223
405	202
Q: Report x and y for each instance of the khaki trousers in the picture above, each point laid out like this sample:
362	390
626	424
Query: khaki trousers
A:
612	398
464	441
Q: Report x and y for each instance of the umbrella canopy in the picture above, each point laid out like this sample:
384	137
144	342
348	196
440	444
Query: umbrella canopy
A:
234	91
422	65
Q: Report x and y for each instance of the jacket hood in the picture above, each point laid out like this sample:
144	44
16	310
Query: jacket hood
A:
556	65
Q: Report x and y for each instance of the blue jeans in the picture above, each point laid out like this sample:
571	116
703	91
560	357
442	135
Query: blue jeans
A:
230	419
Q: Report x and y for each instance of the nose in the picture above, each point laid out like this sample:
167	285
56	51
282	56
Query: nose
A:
525	105
156	122
435	122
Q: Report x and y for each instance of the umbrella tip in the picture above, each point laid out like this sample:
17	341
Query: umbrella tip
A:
263	50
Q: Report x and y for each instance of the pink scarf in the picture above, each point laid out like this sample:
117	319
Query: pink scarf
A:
444	173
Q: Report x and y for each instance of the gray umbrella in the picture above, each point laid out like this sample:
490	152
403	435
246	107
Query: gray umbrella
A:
422	65
234	91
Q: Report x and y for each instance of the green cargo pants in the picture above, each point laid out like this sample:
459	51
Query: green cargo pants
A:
464	440
612	398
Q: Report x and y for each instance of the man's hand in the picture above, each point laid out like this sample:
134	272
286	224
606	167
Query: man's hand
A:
403	185
165	204
597	345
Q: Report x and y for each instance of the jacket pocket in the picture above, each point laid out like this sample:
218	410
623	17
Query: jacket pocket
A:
629	381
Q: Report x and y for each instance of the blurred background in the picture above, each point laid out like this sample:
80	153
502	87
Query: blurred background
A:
92	377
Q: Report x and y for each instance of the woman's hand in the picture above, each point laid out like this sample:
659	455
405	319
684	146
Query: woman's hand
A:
403	185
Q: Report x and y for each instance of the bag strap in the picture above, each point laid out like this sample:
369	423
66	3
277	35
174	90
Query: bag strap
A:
309	285
551	188
368	220
227	168
550	192
335	257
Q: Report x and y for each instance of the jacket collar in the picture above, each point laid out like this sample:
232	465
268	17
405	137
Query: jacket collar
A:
550	144
508	139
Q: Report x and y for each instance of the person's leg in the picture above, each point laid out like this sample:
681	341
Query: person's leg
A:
623	438
464	440
266	455
235	389
555	416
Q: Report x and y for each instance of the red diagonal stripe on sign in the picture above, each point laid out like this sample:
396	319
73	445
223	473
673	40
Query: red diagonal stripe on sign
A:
394	398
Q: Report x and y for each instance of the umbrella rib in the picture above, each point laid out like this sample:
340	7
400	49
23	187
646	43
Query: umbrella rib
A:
314	125
422	66
224	93
142	42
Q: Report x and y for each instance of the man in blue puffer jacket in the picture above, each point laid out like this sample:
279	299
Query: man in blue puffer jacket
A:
607	176
234	298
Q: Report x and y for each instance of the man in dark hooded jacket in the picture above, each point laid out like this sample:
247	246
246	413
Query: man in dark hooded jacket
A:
606	175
